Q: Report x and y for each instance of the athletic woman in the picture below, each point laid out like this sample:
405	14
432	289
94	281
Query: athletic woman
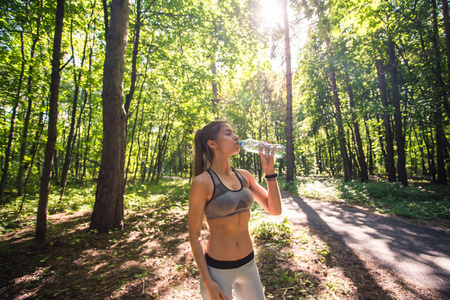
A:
224	195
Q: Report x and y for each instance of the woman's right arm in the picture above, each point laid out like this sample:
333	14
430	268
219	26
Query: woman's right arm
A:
198	196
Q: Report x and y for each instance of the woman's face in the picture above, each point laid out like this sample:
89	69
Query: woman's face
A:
227	140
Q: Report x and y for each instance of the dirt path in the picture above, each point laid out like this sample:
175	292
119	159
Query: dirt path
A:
421	255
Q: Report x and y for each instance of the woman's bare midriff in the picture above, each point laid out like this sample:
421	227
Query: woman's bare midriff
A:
229	238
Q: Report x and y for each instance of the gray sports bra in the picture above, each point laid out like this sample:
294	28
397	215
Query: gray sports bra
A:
225	202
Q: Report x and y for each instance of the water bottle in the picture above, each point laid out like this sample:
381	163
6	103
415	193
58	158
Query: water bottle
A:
253	146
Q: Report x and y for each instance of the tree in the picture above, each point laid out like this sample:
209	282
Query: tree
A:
390	163
361	157
289	140
399	136
108	208
41	221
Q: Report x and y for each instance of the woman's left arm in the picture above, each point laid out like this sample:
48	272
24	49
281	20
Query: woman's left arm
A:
269	199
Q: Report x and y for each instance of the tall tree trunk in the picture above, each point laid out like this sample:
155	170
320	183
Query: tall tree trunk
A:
390	163
41	221
330	153
369	142
446	16
108	207
290	164
86	145
441	95
88	135
23	146
399	136
361	157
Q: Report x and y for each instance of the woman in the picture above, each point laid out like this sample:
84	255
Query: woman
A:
224	195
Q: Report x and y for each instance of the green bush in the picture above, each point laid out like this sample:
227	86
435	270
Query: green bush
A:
278	233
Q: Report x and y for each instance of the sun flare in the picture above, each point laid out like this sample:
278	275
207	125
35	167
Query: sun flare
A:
271	13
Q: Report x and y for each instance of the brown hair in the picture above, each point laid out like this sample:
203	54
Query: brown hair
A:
204	156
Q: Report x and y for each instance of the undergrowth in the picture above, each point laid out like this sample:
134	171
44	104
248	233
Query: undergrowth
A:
417	201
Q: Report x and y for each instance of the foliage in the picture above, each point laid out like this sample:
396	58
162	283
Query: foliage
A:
198	60
279	234
420	201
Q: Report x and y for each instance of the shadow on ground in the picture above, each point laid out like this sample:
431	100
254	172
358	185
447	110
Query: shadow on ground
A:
77	264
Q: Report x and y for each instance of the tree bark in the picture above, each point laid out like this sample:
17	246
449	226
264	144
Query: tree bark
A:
108	207
390	163
399	136
370	151
41	221
445	14
290	164
441	95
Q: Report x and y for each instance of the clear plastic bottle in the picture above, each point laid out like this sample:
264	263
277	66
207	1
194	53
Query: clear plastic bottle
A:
267	148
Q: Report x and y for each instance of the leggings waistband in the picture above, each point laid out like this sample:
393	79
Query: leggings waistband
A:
228	264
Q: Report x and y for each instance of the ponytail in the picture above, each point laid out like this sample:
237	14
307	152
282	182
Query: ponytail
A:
203	155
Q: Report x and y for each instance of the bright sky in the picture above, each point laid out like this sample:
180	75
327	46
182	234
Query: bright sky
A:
272	16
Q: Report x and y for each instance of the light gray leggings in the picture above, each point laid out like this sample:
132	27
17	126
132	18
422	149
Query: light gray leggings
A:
244	280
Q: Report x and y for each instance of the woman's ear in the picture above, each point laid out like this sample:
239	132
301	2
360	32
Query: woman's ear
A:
211	144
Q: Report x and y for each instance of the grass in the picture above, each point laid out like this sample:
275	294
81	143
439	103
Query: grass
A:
419	201
151	259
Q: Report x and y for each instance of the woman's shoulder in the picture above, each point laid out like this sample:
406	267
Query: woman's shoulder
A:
246	174
202	186
202	179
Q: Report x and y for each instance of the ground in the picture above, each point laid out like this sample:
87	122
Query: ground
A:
150	258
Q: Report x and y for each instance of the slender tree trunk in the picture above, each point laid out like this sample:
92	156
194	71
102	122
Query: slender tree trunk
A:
361	157
86	144
139	154
430	150
445	14
369	142
330	153
41	221
290	163
108	207
441	95
390	163
399	136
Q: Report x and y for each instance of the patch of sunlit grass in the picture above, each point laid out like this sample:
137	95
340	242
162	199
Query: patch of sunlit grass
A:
428	202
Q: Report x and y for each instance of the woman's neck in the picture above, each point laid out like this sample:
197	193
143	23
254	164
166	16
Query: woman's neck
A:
221	166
